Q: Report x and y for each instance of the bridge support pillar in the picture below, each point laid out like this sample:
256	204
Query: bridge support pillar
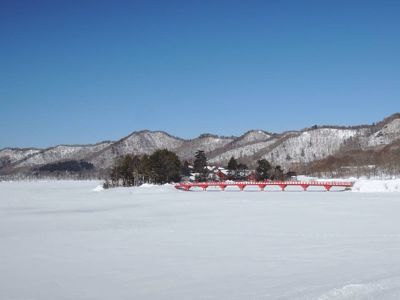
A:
305	186
262	187
241	186
204	187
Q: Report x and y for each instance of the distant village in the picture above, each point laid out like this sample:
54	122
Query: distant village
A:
216	173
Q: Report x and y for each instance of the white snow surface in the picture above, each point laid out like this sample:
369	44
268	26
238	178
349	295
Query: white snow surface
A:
373	186
64	240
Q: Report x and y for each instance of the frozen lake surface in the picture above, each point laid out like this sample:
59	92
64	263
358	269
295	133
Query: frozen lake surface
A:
64	240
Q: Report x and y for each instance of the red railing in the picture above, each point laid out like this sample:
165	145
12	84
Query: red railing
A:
186	186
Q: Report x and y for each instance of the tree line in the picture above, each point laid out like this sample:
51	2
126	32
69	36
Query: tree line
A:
164	166
67	166
161	167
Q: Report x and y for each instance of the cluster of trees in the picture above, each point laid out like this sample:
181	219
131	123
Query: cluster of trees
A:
164	166
263	171
236	170
161	167
355	162
67	166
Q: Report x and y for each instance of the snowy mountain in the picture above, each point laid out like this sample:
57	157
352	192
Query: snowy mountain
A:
205	142
309	145
59	153
252	136
11	155
141	142
285	148
386	135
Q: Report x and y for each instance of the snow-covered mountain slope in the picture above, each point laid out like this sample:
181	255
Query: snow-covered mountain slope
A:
388	134
141	142
284	149
241	152
11	155
310	145
243	147
205	142
251	136
61	152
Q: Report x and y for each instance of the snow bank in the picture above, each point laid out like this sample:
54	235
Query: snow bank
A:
148	185
373	186
98	188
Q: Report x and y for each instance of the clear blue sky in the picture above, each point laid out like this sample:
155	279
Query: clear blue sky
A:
86	71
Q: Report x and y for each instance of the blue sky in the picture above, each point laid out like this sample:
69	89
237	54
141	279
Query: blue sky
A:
84	71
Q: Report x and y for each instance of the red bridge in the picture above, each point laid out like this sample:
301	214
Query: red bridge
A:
186	186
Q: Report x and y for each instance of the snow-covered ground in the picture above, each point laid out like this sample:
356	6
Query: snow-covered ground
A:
73	240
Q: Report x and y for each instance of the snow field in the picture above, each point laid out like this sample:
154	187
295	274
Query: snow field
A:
73	240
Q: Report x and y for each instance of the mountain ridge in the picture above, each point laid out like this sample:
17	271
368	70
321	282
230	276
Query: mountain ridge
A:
286	148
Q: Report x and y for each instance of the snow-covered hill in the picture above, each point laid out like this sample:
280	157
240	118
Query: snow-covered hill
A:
205	142
388	134
11	155
241	152
252	136
62	152
141	142
285	148
310	145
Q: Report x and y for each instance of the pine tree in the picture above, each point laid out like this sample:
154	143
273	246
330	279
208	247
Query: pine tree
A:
165	166
232	168
200	165
185	168
232	165
200	162
263	169
278	174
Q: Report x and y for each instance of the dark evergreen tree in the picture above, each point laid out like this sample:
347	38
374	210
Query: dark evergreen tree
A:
232	164
278	174
232	168
67	166
185	169
165	166
200	162
127	171
263	169
200	165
